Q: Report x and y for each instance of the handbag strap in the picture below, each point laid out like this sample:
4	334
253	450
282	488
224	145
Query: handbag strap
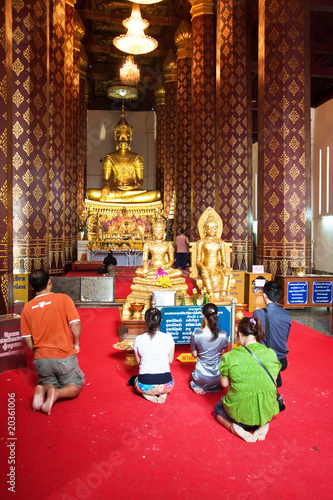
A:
267	329
264	367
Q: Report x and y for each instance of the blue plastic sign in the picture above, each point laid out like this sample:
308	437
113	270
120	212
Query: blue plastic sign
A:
297	292
181	321
322	292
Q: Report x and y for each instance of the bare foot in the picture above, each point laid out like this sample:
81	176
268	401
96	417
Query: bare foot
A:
39	397
50	400
260	433
155	399
198	390
242	433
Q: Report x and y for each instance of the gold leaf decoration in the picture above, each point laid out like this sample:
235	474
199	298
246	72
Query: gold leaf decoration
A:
27	209
17	192
17	223
37	223
37	193
28	178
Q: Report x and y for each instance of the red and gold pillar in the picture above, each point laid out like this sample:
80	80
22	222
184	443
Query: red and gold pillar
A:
30	133
71	98
170	77
284	136
6	234
203	175
182	217
57	138
234	129
160	136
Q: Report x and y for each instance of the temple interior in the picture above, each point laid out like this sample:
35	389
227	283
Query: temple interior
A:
232	109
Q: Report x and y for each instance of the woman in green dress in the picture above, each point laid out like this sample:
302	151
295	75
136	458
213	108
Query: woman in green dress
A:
250	402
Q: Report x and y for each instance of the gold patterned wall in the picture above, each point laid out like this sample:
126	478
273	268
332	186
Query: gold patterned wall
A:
182	218
203	114
30	102
170	131
38	145
57	139
5	162
70	212
234	130
284	136
160	137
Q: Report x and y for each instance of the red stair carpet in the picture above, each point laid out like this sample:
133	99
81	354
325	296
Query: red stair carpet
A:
111	444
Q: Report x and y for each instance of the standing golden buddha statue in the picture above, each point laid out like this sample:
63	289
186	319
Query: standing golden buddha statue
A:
124	186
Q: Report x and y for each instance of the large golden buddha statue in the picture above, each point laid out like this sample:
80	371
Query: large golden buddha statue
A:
124	186
161	253
210	264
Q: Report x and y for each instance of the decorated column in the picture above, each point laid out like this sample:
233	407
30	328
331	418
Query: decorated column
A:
71	100
284	136
160	136
182	218
203	172
234	129
6	283
30	134
170	77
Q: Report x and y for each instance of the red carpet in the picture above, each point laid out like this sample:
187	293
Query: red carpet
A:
112	444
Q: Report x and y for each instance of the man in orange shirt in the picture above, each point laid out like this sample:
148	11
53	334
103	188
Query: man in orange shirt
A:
45	322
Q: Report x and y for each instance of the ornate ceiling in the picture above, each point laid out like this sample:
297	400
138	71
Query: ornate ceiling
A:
103	21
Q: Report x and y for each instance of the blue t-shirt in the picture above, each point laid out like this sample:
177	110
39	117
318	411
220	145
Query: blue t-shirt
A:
279	327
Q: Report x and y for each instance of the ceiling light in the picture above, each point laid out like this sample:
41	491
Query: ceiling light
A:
145	2
129	72
123	92
135	41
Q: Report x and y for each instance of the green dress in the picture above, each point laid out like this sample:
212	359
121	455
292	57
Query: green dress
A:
251	398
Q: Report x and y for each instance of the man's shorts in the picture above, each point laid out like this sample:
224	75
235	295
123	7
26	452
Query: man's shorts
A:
59	371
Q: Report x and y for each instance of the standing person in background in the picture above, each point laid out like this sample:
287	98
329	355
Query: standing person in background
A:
182	250
45	323
279	324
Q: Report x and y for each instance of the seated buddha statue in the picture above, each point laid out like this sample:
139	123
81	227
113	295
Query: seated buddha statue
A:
123	172
161	253
212	257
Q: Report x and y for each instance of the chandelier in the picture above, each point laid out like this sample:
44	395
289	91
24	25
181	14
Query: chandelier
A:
145	2
135	41
129	72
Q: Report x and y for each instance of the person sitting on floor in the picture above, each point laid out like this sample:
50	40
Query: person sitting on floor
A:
109	259
154	352
207	345
250	402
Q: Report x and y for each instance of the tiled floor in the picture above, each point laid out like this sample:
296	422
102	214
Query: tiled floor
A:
318	318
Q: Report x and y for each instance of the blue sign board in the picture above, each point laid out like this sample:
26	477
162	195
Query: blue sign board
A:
297	292
322	292
181	321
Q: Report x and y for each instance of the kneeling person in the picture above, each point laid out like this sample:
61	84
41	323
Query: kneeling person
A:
44	327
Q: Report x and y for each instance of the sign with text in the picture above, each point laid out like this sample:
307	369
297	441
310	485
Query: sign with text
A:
322	292
181	321
297	292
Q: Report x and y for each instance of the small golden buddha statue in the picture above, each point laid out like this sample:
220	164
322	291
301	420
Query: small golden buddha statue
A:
124	186
161	254
211	257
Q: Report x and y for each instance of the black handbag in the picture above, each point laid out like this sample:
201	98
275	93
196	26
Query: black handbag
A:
279	398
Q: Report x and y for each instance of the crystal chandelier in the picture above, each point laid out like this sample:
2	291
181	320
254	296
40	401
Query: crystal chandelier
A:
135	41
129	72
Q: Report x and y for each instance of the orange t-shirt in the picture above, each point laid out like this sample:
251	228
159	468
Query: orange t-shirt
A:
46	319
